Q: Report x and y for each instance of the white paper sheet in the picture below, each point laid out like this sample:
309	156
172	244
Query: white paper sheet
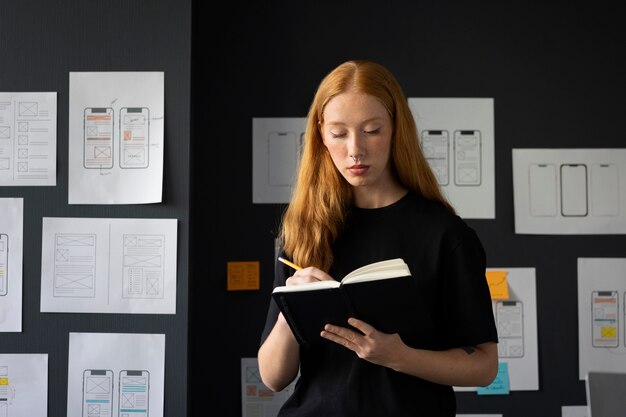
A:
276	147
257	400
569	191
28	138
574	411
116	137
115	374
601	315
108	265
520	352
11	235
457	138
23	378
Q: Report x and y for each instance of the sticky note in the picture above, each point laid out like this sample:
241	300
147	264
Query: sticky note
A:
500	384
243	276
4	381
608	331
498	287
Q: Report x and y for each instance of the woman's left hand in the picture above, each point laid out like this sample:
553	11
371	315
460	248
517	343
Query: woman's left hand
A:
373	345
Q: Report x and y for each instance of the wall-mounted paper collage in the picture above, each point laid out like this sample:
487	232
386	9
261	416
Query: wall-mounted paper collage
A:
569	191
601	315
116	374
23	378
93	265
276	146
11	249
28	138
457	139
516	321
116	137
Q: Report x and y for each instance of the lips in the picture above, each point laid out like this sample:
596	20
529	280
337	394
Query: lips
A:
358	169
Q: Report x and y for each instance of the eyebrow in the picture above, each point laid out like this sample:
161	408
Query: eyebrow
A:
339	123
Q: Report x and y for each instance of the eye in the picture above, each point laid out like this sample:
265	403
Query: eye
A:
372	131
337	135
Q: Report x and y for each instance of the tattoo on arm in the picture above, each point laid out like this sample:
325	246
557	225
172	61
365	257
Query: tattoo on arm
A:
468	349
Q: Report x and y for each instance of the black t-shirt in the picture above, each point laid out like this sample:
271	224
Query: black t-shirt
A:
448	261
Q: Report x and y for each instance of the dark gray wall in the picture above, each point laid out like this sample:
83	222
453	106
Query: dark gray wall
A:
557	77
40	43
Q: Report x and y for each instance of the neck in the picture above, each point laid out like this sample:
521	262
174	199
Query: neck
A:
366	198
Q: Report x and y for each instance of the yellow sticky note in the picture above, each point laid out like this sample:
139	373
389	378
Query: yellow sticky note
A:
609	332
4	381
498	287
243	276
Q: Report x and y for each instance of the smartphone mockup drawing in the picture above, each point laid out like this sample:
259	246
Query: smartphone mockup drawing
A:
436	150
604	191
134	137
97	393
98	138
542	188
604	319
134	389
4	264
467	157
282	157
574	190
510	321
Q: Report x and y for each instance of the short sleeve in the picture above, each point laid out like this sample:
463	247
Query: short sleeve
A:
280	277
467	311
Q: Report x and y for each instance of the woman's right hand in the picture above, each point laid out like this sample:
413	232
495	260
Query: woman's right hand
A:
309	274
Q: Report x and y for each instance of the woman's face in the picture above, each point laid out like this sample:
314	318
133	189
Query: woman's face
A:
357	132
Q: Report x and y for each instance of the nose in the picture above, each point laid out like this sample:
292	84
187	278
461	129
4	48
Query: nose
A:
355	144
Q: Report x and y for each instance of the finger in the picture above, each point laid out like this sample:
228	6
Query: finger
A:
317	273
364	327
327	334
343	332
302	276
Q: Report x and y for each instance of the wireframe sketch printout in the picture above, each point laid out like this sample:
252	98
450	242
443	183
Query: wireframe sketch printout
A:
28	138
516	321
601	315
257	400
23	377
574	411
116	375
108	265
569	191
116	137
276	146
457	139
11	235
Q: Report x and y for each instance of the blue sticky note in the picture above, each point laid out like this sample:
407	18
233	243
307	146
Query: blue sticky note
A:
500	385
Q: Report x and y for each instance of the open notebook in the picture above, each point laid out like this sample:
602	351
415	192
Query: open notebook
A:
606	394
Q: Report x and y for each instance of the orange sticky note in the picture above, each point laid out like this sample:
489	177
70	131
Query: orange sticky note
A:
498	286
243	276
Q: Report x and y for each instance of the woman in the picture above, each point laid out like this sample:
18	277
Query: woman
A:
365	193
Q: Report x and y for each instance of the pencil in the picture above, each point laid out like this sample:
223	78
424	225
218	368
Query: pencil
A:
291	264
